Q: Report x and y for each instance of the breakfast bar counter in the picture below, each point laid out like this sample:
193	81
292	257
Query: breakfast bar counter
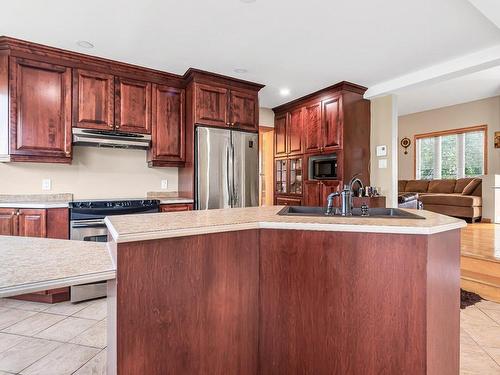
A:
31	264
248	291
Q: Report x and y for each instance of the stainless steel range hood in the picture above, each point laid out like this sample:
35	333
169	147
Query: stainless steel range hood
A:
110	139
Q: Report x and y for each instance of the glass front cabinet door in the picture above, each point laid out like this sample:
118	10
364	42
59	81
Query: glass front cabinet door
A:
295	176
281	176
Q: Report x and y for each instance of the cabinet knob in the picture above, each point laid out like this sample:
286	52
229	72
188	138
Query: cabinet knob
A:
17	213
117	126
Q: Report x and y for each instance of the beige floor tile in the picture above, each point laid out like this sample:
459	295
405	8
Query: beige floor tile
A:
94	336
23	305
97	310
494	353
66	329
6	373
9	317
486	337
478	364
25	353
34	324
493	314
67	308
7	341
472	316
488	305
96	366
68	357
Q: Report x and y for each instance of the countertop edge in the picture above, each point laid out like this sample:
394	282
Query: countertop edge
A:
388	229
34	205
56	283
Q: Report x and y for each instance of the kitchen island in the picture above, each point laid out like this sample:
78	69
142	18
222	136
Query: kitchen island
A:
246	291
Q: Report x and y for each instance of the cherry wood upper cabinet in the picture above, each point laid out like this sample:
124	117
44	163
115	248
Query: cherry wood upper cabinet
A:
168	127
211	105
294	132
40	105
280	137
8	222
244	110
132	105
312	128
332	126
32	222
93	100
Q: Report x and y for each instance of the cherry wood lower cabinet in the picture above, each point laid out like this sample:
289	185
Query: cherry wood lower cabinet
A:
288	201
176	207
275	301
316	192
371	202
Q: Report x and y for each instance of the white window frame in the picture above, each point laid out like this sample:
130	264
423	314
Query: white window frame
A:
460	133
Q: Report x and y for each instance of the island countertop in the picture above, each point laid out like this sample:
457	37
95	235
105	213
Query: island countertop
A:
131	228
32	264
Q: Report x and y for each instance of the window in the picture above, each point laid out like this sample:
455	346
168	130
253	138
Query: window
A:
451	154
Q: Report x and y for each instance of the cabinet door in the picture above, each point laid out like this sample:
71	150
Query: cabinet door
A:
295	178
280	128
312	128
168	128
32	223
332	123
294	132
40	111
8	222
281	176
211	105
312	192
244	110
93	100
176	207
285	201
328	187
132	106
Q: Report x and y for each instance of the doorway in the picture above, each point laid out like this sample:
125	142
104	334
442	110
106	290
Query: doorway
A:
266	137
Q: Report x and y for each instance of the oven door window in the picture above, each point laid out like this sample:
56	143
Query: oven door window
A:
89	230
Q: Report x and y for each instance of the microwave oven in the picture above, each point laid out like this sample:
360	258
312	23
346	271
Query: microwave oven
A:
323	167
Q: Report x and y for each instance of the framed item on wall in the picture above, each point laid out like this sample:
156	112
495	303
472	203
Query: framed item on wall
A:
497	139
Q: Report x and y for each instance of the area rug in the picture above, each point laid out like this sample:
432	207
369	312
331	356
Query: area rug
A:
468	298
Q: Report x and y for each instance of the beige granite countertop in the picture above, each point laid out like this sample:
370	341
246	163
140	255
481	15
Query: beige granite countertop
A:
35	200
129	228
30	264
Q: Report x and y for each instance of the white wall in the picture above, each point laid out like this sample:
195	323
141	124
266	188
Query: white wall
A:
95	173
480	112
384	131
266	117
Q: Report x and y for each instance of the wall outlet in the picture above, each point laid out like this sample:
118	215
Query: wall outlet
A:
46	184
164	184
382	150
382	163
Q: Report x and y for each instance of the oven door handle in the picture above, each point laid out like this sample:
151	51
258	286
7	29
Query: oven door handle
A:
87	224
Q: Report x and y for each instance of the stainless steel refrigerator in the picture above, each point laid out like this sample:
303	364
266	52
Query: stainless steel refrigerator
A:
226	168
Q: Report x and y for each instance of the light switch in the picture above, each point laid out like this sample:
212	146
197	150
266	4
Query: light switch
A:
382	150
164	184
382	163
46	184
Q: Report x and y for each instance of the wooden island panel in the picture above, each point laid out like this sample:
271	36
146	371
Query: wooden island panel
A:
188	305
274	301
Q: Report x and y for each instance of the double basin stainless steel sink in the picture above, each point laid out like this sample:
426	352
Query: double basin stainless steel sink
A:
382	213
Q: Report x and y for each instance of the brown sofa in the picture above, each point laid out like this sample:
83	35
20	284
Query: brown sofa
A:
460	198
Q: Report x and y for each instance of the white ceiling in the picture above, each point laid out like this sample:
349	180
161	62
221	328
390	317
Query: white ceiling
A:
475	86
303	46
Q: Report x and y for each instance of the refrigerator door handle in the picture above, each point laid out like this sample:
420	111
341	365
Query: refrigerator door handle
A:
229	179
234	195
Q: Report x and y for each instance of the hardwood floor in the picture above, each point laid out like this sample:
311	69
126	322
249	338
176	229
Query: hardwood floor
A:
480	260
